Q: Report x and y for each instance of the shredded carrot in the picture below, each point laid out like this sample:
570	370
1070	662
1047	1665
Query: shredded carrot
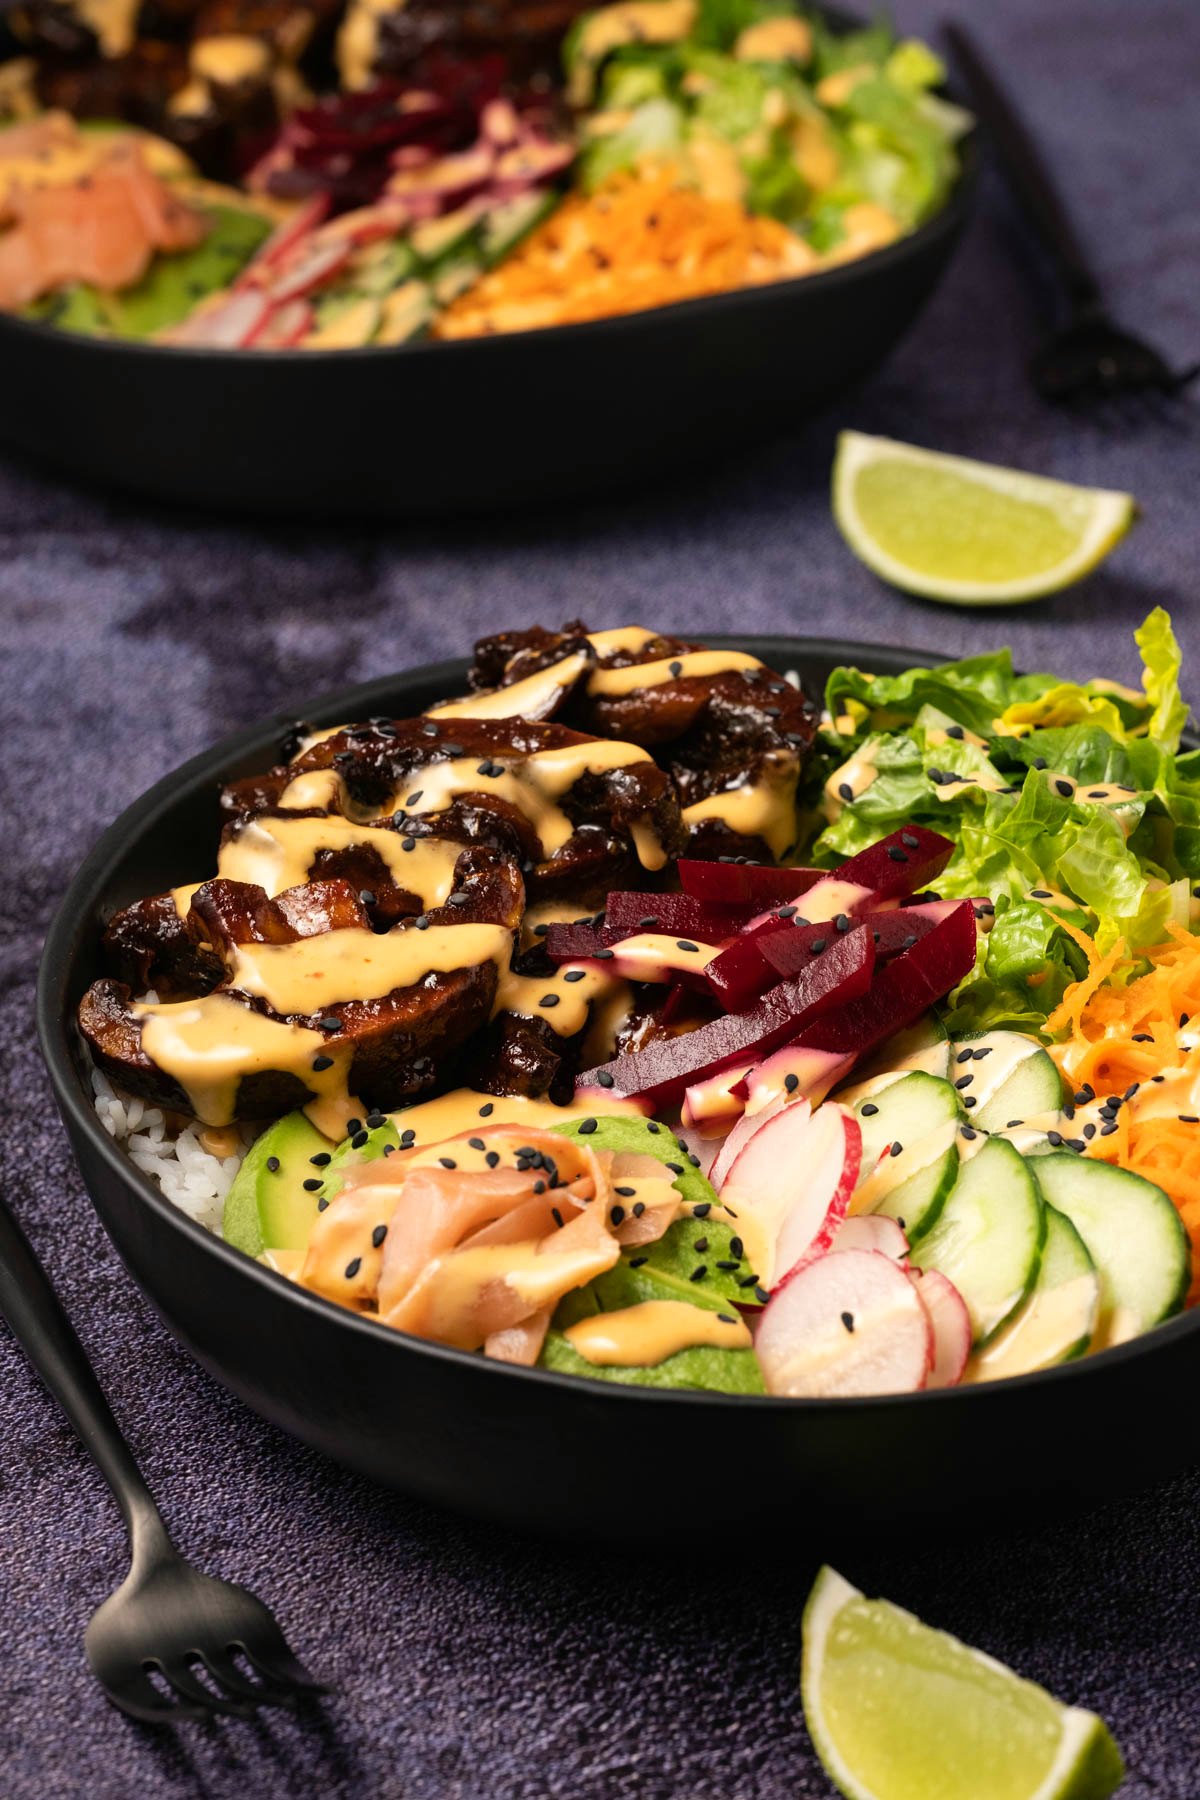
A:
642	240
1127	1035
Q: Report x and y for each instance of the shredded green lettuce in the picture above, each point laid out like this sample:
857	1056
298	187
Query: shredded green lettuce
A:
1067	804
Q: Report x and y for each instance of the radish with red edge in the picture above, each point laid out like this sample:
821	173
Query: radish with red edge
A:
229	325
790	1186
949	1321
743	1130
677	914
739	884
845	1325
284	326
664	1069
872	1231
283	240
711	1107
317	264
793	1071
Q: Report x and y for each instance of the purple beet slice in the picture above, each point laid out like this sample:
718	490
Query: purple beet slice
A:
744	884
835	977
677	914
903	988
745	969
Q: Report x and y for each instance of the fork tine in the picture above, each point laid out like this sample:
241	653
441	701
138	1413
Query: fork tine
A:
137	1696
283	1666
204	1698
222	1668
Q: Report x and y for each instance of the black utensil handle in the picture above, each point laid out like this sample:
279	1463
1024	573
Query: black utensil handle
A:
1025	167
35	1313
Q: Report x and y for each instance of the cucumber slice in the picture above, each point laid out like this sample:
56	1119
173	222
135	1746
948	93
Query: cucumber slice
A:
1134	1236
1011	1078
988	1237
504	227
919	1113
1058	1321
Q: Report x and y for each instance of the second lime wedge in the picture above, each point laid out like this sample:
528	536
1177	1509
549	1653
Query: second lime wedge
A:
898	1711
968	532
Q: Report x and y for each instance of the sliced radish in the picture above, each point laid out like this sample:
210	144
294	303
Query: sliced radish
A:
948	1318
872	1231
845	1325
315	264
284	239
711	1107
815	1073
284	327
793	1181
229	325
741	1134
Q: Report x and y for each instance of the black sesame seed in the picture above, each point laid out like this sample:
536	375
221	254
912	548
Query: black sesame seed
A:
408	843
1039	894
966	1131
476	1143
1055	1138
407	1136
748	1281
700	1245
1064	788
699	1272
676	668
375	1120
1039	762
378	1235
414	797
737	1248
848	1321
648	923
636	1262
320	1159
313	1185
586	1127
791	1083
786	912
1189	1119
366	896
980	1054
653	1127
675	1168
321	1205
485	1112
1107	1130
727	1265
447	1162
705	1207
969	1100
683	944
845	791
492	1159
353	1267
842	923
762	1294
575	975
359	1139
548	1000
954	731
896	1148
330	1024
964	1081
897	854
1143	1037
817	945
617	1214
727	1318
913	843
321	1063
602	955
626	1193
868	1109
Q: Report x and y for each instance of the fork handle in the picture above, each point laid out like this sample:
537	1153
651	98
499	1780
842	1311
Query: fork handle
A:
33	1310
1026	168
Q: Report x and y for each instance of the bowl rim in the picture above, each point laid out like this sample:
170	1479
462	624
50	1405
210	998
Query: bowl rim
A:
945	223
55	1025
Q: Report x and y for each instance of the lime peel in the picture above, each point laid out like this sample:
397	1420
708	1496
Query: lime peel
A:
947	528
906	1708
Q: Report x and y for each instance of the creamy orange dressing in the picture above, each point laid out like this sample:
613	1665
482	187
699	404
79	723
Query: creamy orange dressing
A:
357	964
765	808
464	1110
550	912
613	683
936	735
277	853
609	1014
530	698
284	1262
533	784
230	59
113	21
892	1170
647	1334
572	988
209	1046
983	783
1050	1324
314	789
847	783
621	640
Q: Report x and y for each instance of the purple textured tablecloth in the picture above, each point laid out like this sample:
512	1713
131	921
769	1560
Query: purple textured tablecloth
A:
471	1665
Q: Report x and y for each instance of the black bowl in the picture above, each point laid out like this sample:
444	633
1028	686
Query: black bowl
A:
454	427
542	1450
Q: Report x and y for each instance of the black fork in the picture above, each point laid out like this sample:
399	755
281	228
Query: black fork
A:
171	1643
1089	358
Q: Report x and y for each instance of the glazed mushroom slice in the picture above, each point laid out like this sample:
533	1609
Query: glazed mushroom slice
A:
155	943
314	1007
582	813
732	733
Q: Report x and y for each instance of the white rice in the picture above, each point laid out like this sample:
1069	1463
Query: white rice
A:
189	1175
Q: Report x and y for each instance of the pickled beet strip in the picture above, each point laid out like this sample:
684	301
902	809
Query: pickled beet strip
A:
902	989
677	915
837	976
744	970
744	884
893	932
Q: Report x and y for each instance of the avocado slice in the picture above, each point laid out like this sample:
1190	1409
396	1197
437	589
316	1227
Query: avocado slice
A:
693	1242
268	1206
702	1366
363	1146
171	288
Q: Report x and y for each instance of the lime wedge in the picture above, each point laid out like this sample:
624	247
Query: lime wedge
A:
898	1711
968	532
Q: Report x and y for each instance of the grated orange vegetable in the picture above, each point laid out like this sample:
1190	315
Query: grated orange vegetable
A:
1122	1034
642	240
